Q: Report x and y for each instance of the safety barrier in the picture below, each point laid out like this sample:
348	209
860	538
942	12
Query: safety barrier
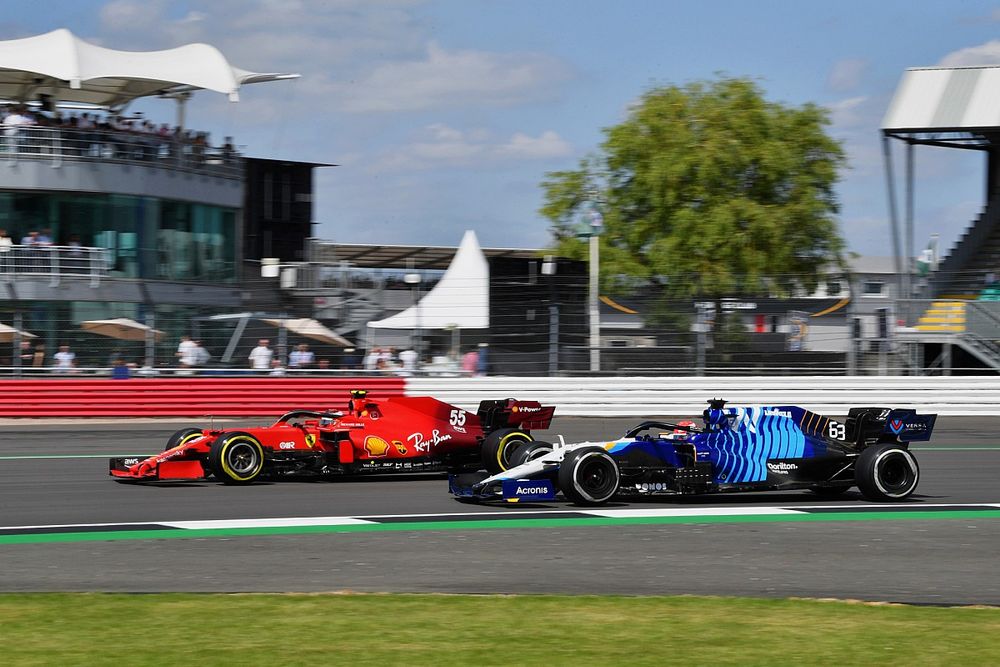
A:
188	397
635	397
599	397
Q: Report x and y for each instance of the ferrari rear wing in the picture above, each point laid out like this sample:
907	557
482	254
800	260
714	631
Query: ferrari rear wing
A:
512	412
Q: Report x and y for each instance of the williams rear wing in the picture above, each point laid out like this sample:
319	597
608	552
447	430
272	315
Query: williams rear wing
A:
908	426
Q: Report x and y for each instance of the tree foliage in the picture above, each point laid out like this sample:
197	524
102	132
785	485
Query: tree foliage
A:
709	189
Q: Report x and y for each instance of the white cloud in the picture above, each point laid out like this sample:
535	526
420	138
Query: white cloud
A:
848	112
445	146
446	79
126	15
846	74
983	54
547	145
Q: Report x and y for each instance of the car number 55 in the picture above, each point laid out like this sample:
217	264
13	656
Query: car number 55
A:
457	418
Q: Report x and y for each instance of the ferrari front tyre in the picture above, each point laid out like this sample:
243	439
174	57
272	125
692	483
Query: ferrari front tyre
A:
589	476
499	446
529	451
886	472
236	458
183	436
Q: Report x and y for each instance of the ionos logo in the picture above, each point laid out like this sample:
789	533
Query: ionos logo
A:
376	446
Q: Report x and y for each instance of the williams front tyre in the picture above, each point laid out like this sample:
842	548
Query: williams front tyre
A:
589	476
499	446
886	472
236	458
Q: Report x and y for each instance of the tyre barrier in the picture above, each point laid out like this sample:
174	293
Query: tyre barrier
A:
184	397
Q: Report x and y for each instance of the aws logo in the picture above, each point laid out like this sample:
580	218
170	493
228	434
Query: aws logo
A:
376	446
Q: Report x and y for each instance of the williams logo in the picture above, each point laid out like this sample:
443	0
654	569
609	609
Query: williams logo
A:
896	426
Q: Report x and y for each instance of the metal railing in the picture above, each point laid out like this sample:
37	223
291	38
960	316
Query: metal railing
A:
54	261
56	145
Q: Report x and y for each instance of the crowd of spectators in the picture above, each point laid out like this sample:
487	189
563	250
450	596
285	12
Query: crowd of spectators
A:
106	135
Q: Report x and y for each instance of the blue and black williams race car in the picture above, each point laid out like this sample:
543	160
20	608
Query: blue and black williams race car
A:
737	449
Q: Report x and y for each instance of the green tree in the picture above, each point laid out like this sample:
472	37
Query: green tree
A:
709	189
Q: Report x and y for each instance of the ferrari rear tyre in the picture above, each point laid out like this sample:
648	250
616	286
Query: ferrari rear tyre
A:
886	472
589	476
236	458
529	451
182	436
499	446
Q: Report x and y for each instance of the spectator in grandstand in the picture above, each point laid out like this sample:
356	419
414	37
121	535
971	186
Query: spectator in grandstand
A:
6	243
277	368
120	370
470	362
201	355
30	239
186	354
301	357
260	357
45	237
38	361
483	360
27	353
65	360
408	360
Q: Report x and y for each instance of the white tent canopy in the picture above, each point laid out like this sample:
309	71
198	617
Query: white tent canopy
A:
68	69
945	99
460	300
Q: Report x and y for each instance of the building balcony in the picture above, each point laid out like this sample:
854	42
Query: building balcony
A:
75	160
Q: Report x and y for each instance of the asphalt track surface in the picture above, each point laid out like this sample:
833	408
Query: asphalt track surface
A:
918	559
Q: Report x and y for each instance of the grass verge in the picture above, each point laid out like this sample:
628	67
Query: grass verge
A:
363	629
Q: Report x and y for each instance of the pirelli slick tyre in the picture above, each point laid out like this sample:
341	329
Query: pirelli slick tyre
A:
589	476
499	446
236	458
886	472
182	436
529	451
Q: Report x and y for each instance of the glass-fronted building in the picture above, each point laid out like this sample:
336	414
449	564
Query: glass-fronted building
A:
146	237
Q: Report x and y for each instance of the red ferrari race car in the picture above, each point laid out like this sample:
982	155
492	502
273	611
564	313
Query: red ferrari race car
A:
404	434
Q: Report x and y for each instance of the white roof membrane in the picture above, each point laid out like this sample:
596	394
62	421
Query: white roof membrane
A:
945	99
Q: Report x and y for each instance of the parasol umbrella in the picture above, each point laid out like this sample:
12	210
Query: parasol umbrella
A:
9	333
121	328
310	328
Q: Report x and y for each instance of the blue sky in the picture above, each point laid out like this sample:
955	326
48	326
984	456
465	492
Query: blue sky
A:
445	115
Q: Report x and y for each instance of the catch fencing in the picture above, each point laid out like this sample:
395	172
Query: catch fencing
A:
649	397
579	397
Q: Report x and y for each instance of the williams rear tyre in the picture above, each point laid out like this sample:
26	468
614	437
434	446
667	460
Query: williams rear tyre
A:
499	446
886	472
236	458
529	451
589	476
182	436
830	491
